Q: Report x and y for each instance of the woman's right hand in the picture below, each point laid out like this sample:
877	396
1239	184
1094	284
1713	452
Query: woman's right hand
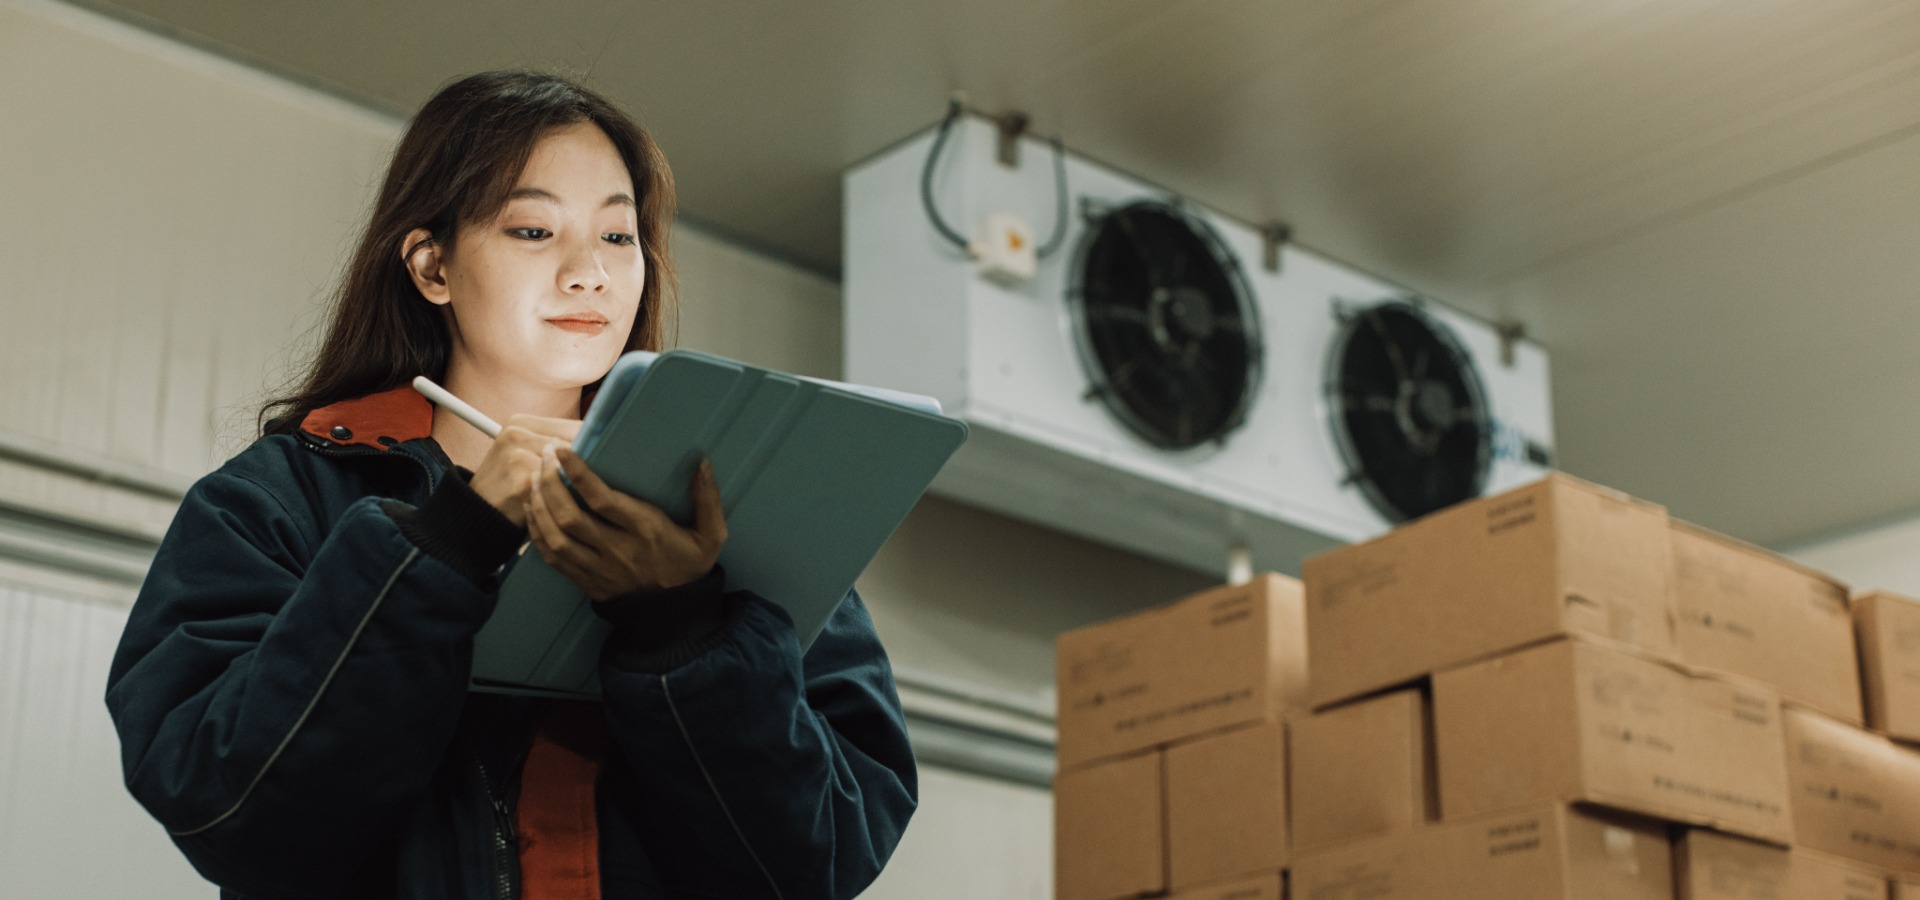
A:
505	476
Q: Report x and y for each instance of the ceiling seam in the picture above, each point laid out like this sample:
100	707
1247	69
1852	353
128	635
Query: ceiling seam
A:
1718	201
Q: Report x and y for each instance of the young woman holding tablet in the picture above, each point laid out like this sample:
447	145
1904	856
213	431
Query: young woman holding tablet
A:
291	689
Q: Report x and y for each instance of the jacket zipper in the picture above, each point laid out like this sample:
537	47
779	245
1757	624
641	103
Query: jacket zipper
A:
505	840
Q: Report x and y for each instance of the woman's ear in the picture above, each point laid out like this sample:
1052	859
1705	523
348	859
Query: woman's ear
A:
424	261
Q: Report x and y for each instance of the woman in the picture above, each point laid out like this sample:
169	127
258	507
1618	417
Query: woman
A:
291	689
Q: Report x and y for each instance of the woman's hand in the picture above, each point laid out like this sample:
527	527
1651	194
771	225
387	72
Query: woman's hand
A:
619	544
506	473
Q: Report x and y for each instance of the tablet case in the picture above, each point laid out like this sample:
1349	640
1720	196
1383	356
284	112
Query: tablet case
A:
814	477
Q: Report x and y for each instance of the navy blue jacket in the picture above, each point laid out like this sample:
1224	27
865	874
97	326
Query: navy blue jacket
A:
291	698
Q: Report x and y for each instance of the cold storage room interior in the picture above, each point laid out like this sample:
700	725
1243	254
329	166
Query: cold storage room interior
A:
1315	450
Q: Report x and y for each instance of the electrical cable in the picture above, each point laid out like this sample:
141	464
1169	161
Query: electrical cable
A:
1060	210
954	109
926	180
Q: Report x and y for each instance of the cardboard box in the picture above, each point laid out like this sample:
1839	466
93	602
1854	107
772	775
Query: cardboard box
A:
1550	852
1557	557
1889	632
1709	865
1855	794
1578	721
1227	805
1905	888
1364	770
1107	832
1258	887
1754	613
1224	657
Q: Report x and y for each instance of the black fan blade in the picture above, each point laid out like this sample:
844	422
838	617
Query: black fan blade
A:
1114	313
1146	256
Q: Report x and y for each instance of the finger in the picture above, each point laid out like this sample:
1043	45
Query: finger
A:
534	540
597	495
709	517
622	509
584	578
553	539
579	523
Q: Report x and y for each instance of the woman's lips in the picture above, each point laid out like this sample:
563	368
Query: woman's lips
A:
579	326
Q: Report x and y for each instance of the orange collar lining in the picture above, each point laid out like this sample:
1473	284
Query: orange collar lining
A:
376	420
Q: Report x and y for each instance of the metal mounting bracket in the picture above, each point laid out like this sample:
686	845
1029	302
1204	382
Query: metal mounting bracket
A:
1510	333
1012	126
1273	236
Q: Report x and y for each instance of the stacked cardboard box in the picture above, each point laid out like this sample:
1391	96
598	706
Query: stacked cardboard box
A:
1583	722
1559	557
1744	610
1364	770
1172	751
1889	632
1555	692
1266	886
1855	794
1712	866
1545	851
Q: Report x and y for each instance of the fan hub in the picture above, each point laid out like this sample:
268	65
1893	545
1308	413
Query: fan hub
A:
1425	411
1179	316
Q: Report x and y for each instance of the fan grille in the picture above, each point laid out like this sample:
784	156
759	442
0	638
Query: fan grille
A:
1408	411
1166	325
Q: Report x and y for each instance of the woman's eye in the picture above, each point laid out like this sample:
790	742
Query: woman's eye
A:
531	234
620	238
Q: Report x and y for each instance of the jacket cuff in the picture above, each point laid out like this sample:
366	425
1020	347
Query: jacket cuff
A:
658	631
459	528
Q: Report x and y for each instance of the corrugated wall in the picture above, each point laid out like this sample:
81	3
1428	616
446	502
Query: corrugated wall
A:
67	826
171	220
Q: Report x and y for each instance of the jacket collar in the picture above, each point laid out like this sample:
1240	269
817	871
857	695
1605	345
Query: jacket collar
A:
383	419
378	420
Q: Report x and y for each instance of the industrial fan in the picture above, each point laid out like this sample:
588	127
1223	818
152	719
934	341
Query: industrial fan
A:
1408	410
1166	325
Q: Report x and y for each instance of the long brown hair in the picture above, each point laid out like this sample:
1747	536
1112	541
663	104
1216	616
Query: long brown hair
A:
458	161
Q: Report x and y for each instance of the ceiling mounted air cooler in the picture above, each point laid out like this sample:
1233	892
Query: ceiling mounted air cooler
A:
1167	328
1160	384
1408	410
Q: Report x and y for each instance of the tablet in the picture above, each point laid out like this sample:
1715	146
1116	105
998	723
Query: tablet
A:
814	476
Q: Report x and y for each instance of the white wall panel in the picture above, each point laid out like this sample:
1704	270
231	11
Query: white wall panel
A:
738	304
68	828
181	215
972	838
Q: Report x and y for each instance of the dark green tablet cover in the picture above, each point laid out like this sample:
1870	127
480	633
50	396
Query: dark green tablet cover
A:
814	476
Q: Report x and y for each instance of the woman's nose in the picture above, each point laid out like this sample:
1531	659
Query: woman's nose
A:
582	270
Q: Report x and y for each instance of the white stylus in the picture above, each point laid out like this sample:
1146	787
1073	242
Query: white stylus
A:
457	406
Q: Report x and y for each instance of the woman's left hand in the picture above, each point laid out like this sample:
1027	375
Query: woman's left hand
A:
619	544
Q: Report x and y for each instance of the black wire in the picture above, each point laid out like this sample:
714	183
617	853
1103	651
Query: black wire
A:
926	178
956	238
1060	210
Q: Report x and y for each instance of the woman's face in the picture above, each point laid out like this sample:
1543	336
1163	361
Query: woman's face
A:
546	293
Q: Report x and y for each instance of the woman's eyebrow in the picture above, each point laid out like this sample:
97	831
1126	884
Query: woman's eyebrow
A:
534	193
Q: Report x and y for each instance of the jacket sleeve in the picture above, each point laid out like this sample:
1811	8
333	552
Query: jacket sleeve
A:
282	695
763	772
